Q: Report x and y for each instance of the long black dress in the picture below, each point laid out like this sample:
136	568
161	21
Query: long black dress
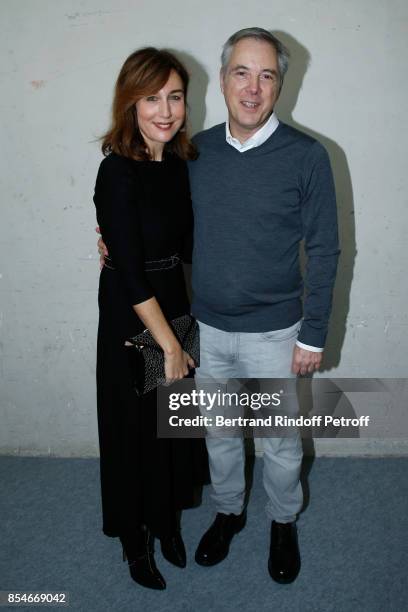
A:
144	212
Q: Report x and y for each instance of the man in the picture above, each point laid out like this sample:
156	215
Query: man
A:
258	188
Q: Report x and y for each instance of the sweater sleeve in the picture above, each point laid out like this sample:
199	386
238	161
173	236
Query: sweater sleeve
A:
117	213
319	222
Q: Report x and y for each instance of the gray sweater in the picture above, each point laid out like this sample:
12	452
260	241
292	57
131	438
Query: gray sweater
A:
251	210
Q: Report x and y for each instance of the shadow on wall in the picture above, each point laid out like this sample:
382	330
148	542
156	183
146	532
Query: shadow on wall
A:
341	406
195	113
300	59
197	91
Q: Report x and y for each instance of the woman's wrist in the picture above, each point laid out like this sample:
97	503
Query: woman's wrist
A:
174	348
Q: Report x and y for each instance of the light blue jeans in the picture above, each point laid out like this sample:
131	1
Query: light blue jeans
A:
231	355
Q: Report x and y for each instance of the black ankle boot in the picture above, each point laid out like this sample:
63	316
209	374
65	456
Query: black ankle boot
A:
215	543
139	552
284	557
173	549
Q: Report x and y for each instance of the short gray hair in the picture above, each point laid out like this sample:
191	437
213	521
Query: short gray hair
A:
262	35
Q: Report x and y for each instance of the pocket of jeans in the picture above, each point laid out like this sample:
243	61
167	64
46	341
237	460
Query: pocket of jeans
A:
282	334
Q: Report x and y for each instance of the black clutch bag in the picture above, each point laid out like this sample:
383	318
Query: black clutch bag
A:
187	332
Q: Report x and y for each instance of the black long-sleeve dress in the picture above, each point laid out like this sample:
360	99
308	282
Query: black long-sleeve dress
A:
144	212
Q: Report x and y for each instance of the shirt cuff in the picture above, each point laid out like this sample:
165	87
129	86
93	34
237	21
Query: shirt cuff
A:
307	347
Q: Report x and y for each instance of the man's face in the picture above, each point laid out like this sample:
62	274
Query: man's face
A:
250	84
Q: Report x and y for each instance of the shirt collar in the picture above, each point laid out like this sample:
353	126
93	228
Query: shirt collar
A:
256	139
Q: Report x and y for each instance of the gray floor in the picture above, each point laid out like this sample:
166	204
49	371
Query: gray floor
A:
353	538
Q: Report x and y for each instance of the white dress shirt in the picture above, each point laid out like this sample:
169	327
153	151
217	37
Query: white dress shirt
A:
255	141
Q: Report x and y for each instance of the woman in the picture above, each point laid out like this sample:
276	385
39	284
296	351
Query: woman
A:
144	213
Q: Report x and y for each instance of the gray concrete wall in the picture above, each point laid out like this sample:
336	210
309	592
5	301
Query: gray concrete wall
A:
59	61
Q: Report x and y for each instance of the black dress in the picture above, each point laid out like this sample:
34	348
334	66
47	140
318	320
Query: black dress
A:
144	212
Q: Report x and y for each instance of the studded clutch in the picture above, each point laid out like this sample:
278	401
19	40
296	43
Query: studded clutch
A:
187	332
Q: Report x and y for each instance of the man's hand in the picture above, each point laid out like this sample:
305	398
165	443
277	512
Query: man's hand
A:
305	362
102	250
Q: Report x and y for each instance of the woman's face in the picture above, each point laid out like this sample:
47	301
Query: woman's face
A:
162	114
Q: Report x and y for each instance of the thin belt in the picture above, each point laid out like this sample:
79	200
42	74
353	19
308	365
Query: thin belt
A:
151	266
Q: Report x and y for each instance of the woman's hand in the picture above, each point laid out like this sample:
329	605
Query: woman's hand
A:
177	364
176	361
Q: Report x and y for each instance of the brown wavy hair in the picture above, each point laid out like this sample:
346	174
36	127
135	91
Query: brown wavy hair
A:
144	73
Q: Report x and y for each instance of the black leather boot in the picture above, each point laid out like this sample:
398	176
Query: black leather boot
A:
173	549
215	543
284	557
139	552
